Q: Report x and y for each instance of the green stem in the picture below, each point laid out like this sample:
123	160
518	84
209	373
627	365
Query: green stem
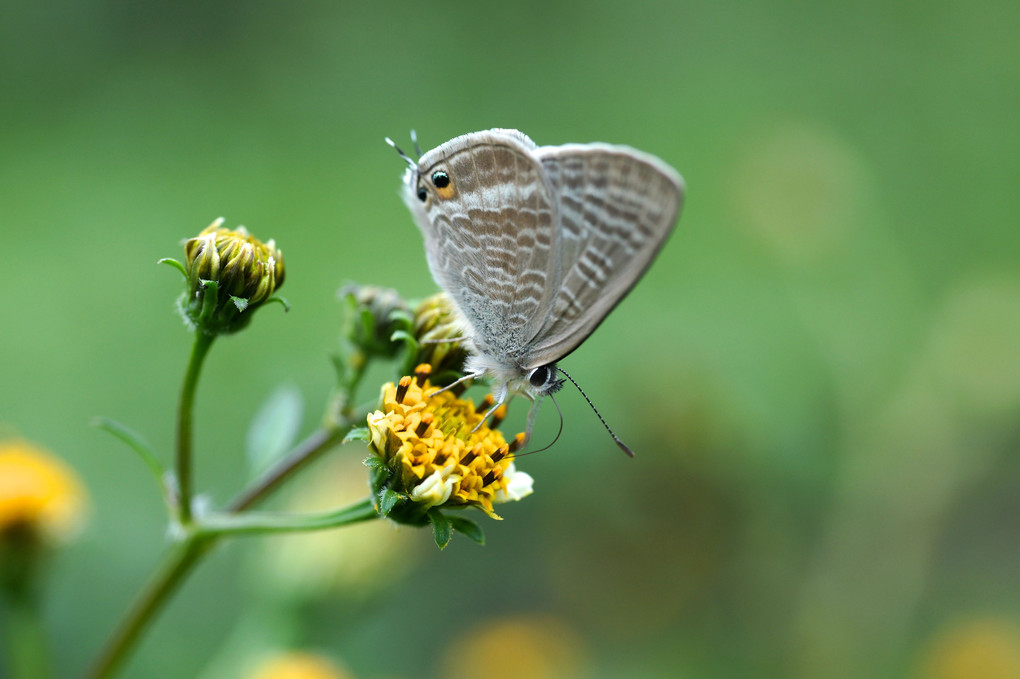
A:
172	571
26	644
306	451
251	523
185	411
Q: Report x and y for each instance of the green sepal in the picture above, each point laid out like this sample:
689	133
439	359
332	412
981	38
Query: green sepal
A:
282	301
441	529
210	295
379	473
359	434
175	264
387	500
467	527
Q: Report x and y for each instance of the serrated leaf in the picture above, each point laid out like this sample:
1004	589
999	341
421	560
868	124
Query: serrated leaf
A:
388	499
358	434
440	528
373	462
273	429
468	528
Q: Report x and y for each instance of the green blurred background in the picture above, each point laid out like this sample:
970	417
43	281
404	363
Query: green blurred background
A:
820	374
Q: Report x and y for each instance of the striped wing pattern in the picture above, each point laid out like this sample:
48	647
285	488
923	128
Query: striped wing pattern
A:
490	241
616	207
536	245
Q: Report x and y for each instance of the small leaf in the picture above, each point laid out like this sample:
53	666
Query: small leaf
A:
468	528
274	428
279	300
175	264
440	528
388	499
136	443
374	463
402	336
358	434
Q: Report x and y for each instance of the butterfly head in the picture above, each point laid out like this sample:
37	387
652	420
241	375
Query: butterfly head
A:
543	379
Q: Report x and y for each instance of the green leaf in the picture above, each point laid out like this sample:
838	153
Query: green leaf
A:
175	264
282	301
136	443
273	429
358	434
468	528
440	528
388	499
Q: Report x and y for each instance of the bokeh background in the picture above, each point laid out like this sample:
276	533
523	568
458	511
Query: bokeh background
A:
820	373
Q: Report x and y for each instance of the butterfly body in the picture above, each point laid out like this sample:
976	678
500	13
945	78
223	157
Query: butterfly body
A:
536	245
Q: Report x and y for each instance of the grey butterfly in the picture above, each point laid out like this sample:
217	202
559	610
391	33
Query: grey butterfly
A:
537	244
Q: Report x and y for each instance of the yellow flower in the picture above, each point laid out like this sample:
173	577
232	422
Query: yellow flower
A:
38	493
440	451
298	665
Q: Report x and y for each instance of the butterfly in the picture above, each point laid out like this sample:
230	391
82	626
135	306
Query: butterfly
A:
536	245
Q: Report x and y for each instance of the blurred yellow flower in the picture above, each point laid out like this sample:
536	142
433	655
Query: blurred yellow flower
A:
984	648
441	451
535	647
38	493
299	665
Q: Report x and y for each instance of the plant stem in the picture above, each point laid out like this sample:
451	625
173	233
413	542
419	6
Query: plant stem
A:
251	523
185	410
25	638
172	571
320	441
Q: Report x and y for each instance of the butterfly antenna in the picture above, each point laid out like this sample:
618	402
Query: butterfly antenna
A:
623	446
414	140
407	159
558	412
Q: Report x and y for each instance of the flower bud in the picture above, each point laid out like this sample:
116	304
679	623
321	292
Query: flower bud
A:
438	326
230	273
372	332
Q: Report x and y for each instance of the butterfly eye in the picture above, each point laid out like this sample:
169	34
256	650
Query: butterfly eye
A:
422	194
440	179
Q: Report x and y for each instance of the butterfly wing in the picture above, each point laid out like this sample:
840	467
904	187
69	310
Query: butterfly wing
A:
615	207
490	235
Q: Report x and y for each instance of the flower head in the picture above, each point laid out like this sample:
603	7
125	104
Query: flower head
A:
439	450
40	497
230	273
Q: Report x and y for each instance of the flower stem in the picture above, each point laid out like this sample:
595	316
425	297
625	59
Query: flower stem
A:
172	571
320	441
251	523
185	410
24	636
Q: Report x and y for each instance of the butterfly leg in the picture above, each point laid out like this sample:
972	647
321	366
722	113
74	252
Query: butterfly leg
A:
454	384
500	399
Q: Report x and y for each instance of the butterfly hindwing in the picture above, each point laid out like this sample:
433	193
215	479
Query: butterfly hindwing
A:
615	208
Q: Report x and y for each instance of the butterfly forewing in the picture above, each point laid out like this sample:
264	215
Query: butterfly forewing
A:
615	208
490	236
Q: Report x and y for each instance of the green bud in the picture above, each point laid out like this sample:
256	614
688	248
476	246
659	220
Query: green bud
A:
230	273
